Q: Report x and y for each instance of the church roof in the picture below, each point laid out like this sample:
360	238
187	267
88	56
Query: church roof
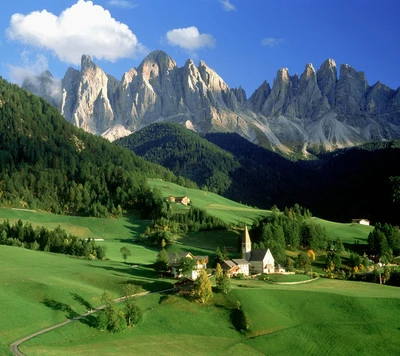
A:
258	254
240	261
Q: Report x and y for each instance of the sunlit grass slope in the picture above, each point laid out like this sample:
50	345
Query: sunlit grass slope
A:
323	317
225	209
348	233
115	232
39	289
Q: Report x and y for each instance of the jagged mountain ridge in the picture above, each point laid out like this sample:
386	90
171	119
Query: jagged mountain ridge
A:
316	110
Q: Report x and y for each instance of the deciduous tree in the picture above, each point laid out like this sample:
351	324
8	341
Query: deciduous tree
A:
125	252
203	290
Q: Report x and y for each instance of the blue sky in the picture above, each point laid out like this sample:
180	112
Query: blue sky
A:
244	41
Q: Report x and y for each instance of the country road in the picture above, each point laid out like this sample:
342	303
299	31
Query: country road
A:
14	346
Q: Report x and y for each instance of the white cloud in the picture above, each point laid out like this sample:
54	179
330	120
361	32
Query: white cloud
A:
227	5
123	4
83	28
271	41
189	38
30	72
30	68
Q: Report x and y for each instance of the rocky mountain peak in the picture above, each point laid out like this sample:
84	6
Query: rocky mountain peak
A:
156	63
317	109
327	78
257	99
87	63
309	71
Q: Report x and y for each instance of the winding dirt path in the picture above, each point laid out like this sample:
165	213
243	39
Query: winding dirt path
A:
14	347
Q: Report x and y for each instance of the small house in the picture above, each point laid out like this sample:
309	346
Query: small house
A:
243	266
230	268
175	260
180	200
360	221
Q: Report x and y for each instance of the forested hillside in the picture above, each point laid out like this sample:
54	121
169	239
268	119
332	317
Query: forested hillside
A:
47	163
186	153
342	185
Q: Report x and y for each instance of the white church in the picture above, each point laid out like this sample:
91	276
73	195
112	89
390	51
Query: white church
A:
252	261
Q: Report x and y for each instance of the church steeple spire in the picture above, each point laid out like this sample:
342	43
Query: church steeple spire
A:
246	245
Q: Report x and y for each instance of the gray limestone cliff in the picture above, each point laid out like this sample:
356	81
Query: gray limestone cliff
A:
316	110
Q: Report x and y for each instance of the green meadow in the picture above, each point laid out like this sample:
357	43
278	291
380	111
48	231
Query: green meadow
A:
225	209
323	317
348	233
39	289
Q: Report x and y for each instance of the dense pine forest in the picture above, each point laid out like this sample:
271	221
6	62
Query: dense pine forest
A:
185	153
47	163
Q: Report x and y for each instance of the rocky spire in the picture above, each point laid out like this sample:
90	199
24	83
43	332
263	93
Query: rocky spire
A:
351	90
327	78
280	94
259	97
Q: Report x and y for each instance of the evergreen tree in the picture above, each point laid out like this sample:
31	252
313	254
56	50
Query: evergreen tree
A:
162	262
339	245
224	284
303	260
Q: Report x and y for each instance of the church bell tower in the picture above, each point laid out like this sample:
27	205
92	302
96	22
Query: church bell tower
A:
246	245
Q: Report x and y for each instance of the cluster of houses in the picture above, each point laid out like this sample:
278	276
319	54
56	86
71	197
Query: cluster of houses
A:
253	261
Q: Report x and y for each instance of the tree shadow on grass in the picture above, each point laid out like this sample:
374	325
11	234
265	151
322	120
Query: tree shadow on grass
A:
89	320
59	306
82	301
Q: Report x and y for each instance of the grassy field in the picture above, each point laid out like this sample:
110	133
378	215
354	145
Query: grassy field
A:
323	317
39	289
348	233
115	232
225	209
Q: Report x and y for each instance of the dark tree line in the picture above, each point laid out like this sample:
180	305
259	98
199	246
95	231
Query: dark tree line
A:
291	230
170	221
42	239
384	242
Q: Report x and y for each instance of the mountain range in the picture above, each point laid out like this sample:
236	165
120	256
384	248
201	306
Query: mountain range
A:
316	111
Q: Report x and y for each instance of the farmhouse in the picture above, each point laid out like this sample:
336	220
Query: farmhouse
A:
180	200
175	260
360	221
235	267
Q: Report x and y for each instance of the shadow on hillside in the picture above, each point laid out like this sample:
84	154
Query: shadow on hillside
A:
59	306
356	247
81	301
89	320
141	276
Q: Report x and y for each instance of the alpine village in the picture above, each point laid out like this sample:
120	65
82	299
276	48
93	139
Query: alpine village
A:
167	213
